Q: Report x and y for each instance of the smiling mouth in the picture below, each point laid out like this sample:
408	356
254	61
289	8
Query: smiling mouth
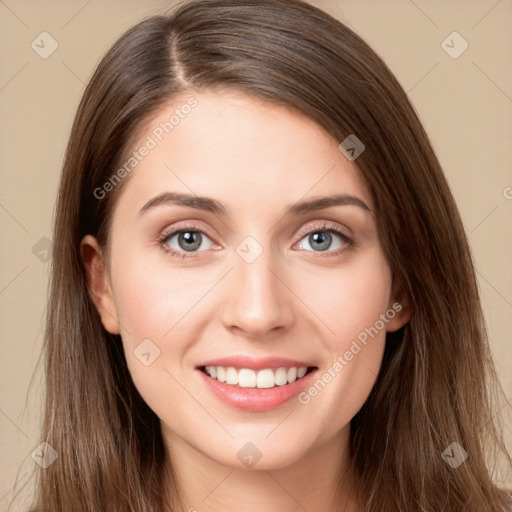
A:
266	378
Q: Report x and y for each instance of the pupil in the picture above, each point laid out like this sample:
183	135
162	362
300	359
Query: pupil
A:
323	239
192	240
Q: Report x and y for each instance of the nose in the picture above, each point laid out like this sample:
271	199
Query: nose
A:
257	301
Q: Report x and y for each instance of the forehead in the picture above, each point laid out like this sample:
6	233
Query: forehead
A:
238	148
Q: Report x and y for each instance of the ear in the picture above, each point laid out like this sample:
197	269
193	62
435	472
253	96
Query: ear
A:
98	283
402	305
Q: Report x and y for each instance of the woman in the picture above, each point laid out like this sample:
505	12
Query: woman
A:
262	295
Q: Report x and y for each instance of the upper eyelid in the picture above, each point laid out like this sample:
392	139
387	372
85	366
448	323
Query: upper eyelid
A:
327	226
169	233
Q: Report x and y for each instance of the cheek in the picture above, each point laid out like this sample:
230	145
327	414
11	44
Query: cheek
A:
161	304
349	298
356	307
152	306
150	299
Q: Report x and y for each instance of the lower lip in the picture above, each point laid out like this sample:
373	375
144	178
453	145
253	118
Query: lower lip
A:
254	399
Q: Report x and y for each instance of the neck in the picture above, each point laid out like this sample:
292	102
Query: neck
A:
322	480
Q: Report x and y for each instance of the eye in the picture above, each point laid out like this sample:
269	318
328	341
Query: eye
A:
185	240
321	239
189	240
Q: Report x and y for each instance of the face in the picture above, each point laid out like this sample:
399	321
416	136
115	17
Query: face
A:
286	307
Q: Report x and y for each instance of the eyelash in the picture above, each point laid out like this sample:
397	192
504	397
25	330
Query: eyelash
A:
333	228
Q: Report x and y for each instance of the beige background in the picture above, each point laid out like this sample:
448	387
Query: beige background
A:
464	103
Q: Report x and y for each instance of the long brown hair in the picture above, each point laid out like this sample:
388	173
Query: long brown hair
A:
437	381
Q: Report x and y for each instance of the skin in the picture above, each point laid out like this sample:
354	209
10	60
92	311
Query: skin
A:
293	301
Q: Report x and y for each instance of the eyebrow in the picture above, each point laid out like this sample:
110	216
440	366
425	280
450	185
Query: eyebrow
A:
213	206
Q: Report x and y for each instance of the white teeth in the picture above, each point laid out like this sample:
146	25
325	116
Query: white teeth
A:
266	379
221	373
247	378
292	374
281	377
262	379
231	376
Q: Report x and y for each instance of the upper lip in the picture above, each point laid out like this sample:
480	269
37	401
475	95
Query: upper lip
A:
255	364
